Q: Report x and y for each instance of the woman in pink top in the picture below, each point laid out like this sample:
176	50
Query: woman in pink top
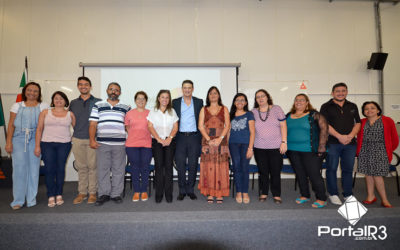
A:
53	141
270	144
138	146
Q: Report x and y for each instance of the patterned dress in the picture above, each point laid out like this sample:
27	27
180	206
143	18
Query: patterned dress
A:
373	159
214	165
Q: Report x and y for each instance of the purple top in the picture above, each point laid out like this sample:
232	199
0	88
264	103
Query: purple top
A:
268	133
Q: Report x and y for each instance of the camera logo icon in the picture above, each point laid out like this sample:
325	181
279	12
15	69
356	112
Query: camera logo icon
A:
352	210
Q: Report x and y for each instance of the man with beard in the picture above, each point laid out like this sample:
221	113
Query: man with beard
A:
344	124
107	119
85	156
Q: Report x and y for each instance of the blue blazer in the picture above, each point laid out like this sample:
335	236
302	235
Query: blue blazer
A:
197	105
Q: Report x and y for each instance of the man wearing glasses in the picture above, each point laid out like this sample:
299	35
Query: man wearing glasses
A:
107	119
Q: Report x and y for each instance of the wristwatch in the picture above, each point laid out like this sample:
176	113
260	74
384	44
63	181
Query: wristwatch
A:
284	142
222	137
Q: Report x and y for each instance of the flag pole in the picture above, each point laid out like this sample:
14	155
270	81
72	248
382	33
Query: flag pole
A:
5	126
26	68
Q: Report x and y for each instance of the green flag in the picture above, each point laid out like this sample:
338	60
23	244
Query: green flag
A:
2	120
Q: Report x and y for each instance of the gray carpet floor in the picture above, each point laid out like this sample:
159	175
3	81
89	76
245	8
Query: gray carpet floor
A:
190	224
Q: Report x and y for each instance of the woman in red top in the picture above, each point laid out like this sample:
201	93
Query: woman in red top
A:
138	146
376	142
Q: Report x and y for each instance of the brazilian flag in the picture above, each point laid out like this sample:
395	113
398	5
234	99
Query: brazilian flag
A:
2	121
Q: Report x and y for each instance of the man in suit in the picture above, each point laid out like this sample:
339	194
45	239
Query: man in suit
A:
188	139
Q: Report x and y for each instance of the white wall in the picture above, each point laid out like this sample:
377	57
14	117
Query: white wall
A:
275	40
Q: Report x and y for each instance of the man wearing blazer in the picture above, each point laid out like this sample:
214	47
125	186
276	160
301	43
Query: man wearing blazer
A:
188	139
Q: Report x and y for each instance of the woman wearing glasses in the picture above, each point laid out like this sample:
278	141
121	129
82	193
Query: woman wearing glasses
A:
269	144
241	141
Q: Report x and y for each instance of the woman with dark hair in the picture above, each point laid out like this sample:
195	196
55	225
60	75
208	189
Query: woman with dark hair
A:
241	141
163	126
269	144
138	146
376	142
306	155
21	145
53	141
214	126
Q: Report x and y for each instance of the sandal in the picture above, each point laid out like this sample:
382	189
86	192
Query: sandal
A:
220	200
318	205
16	207
301	201
60	200
246	200
262	199
52	202
210	200
277	201
239	198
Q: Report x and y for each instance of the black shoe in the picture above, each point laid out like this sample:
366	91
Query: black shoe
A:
117	199
158	199
100	200
192	196
181	197
168	199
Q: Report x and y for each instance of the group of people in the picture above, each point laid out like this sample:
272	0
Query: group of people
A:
179	131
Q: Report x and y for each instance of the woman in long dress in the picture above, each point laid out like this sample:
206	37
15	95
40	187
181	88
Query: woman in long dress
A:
214	124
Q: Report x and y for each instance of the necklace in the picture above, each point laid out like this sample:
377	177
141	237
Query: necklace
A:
266	117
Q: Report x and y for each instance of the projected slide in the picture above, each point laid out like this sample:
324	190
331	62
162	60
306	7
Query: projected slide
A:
152	79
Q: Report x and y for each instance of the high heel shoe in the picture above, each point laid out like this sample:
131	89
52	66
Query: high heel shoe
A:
386	205
369	202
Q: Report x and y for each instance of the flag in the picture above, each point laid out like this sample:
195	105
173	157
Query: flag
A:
2	120
21	86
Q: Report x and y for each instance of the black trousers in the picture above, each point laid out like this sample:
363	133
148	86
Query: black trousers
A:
187	147
269	163
307	166
163	165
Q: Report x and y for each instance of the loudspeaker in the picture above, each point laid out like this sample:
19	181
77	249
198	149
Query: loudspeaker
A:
377	61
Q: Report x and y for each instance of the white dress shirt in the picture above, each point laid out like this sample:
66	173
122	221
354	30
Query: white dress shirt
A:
163	123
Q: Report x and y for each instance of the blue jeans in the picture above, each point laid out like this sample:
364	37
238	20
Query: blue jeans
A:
140	159
25	170
240	165
54	155
346	153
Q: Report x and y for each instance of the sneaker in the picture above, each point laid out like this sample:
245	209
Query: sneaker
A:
145	197
135	197
92	199
335	200
80	198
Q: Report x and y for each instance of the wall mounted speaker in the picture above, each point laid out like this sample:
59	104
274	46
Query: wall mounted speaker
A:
377	61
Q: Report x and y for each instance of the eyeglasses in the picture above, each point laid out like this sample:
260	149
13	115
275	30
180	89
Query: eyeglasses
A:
243	101
260	96
114	90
